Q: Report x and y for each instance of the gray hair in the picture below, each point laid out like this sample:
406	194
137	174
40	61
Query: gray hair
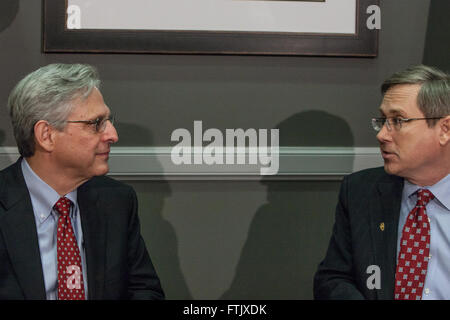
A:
47	94
433	98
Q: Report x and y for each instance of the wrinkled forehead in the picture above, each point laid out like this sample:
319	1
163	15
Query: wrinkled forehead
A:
401	99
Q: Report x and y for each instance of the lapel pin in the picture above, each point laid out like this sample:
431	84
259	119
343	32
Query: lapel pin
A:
382	226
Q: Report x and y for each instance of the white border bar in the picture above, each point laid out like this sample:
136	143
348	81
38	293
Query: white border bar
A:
296	163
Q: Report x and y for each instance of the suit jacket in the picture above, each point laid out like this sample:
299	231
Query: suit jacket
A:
364	234
118	265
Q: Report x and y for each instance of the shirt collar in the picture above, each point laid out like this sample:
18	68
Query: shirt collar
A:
441	190
43	197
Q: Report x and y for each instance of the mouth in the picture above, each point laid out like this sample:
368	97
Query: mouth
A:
387	154
103	154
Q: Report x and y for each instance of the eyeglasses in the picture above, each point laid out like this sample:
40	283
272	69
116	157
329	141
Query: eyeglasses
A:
378	123
99	123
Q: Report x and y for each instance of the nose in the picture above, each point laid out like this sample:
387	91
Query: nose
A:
384	134
110	133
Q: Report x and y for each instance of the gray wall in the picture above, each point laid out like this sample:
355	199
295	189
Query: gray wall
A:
232	239
225	91
237	239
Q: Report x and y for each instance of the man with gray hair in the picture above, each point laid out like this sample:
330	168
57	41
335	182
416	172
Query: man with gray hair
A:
391	235
67	231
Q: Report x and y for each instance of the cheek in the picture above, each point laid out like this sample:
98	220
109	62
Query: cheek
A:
83	148
417	148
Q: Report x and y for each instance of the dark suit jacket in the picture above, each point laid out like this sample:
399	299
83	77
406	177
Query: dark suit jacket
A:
118	265
367	200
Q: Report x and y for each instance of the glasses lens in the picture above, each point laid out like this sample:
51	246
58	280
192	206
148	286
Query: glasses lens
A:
397	123
377	123
101	123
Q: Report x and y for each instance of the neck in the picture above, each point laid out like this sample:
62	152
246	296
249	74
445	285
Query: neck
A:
61	180
433	171
432	178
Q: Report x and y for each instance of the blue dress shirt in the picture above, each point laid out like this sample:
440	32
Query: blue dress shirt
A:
43	198
437	281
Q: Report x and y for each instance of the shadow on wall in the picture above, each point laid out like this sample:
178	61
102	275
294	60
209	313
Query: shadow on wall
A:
2	137
131	134
289	234
8	11
158	233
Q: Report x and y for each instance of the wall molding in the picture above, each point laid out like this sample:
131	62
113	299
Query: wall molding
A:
295	163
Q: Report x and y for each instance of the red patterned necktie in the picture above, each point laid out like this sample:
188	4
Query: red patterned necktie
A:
414	251
70	275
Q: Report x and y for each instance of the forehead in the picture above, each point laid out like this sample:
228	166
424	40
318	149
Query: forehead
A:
90	107
401	99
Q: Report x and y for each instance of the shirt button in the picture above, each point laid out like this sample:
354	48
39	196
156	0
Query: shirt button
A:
42	216
427	291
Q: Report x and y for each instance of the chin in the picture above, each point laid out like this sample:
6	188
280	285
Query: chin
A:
390	169
101	170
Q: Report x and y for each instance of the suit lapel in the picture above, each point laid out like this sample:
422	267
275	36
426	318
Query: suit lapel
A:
18	228
384	225
93	225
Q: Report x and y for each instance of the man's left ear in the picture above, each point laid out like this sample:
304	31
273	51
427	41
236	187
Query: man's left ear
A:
444	135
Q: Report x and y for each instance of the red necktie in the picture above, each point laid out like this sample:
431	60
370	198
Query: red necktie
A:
70	275
414	251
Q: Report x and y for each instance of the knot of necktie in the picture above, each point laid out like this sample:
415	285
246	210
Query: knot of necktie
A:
423	197
63	206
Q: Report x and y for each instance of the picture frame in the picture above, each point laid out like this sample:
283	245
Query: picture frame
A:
57	38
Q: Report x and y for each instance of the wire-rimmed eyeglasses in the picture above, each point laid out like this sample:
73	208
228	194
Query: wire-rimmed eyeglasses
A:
378	123
99	123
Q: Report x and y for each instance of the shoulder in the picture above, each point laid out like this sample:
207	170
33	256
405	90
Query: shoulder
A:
364	183
11	175
116	198
368	176
107	185
11	169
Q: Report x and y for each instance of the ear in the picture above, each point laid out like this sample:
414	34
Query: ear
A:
444	132
44	135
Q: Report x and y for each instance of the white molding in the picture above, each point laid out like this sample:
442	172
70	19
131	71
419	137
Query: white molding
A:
297	163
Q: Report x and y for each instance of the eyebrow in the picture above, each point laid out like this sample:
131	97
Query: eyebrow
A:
393	112
102	115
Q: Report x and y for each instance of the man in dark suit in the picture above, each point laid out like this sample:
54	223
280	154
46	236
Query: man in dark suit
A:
390	238
67	231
